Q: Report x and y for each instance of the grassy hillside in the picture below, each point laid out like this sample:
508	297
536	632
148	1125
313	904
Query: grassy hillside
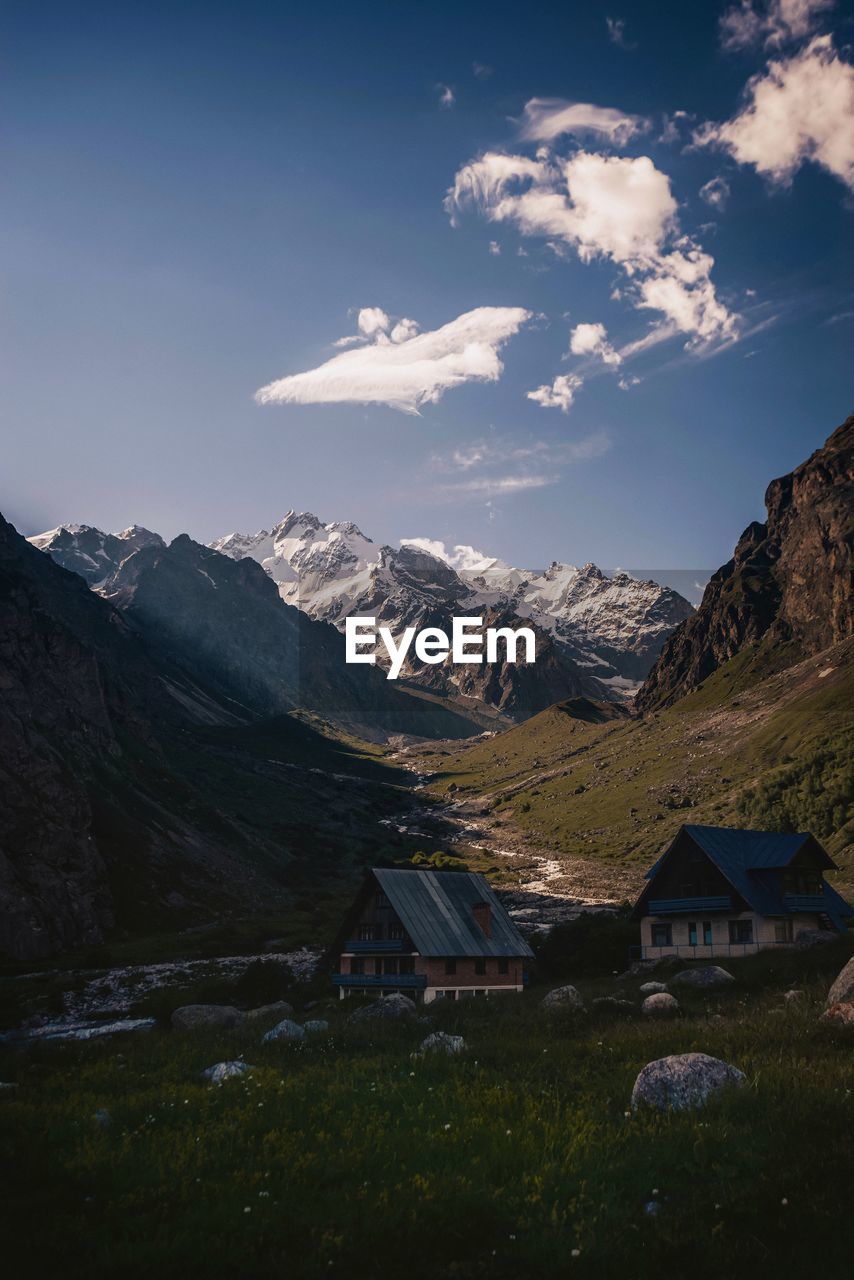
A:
343	1155
754	745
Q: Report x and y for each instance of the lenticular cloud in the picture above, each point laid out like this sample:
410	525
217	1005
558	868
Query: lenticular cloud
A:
405	369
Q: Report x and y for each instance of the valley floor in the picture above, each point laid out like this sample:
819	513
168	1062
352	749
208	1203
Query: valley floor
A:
342	1154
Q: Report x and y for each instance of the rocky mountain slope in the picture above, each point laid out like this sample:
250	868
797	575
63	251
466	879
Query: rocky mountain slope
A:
138	794
90	552
607	631
788	585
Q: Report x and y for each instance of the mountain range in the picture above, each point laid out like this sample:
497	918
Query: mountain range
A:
596	635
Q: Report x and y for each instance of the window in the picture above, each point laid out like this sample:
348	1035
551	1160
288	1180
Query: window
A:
783	931
357	965
368	932
707	933
662	935
396	930
692	933
741	930
389	966
503	965
382	900
450	966
480	965
407	964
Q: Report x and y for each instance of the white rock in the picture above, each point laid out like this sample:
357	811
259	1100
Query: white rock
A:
661	1003
683	1081
652	988
284	1030
441	1042
222	1071
842	990
565	1000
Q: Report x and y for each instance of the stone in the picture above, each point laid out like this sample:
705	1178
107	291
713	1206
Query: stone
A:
207	1017
564	1000
278	1010
441	1042
806	938
393	1006
843	987
683	1081
793	996
316	1024
222	1071
287	1029
660	1004
708	976
652	988
840	1014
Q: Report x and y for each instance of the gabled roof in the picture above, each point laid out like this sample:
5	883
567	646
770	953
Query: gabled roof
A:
749	859
436	908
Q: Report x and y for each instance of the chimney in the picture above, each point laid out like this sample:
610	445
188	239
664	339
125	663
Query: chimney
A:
482	912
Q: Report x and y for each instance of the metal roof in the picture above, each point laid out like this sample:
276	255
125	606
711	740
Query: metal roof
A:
748	860
436	908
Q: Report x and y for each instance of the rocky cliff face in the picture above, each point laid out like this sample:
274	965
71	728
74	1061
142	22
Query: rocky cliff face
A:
790	579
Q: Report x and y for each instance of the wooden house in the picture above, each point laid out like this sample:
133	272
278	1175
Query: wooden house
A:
717	891
431	935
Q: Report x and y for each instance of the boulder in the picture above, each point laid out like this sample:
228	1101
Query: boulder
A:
222	1071
708	976
806	938
7	1086
683	1081
842	990
652	988
564	1000
316	1024
271	1012
840	1014
284	1030
441	1042
207	1017
660	1004
393	1006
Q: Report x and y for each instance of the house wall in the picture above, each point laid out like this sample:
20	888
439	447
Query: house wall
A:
764	934
465	981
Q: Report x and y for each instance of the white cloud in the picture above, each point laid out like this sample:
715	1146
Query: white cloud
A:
771	23
495	248
409	371
604	206
404	330
496	486
372	320
481	71
798	109
592	340
715	192
560	394
447	97
544	119
617	32
462	556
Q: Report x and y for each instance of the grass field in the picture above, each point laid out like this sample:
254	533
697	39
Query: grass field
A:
343	1155
752	746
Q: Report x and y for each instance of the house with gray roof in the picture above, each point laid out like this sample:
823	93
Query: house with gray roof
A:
717	891
431	935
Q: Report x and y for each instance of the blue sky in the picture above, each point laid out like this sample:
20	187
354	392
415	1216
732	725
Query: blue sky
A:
200	199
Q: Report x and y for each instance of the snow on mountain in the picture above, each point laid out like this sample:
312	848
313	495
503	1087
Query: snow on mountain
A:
612	626
90	552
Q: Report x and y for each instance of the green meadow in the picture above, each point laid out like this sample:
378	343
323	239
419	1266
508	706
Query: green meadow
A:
344	1154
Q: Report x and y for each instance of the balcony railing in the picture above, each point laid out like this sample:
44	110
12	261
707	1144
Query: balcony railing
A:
684	906
360	945
380	979
804	902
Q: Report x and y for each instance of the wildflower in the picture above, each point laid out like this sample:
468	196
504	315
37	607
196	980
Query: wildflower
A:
247	1209
509	1131
447	1127
784	1200
576	1253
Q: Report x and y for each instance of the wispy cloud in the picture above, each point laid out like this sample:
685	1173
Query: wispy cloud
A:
592	340
481	71
771	23
447	97
799	109
506	465
397	366
545	119
715	192
617	33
